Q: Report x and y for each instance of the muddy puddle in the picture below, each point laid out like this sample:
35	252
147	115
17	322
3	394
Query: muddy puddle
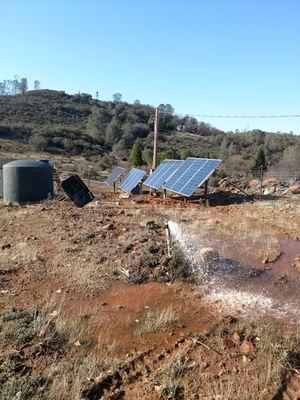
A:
242	282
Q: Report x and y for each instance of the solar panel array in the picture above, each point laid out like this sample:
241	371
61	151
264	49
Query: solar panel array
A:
131	180
162	173
192	173
114	175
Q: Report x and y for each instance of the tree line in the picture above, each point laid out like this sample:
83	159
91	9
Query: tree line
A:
12	87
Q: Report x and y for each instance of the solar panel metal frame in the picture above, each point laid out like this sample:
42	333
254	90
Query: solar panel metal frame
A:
114	175
162	173
179	185
131	180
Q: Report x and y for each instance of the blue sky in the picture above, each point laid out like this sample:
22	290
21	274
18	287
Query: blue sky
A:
217	57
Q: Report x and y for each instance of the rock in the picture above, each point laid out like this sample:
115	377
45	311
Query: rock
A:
236	337
213	221
108	227
149	224
207	255
271	181
228	343
123	238
296	263
270	190
254	183
5	246
247	346
154	250
229	320
295	189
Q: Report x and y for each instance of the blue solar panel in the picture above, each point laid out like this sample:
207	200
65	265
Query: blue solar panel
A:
114	175
132	180
192	174
188	174
178	173
158	171
162	173
200	176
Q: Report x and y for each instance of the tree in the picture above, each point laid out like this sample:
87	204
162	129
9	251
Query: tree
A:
113	132
23	86
259	162
136	155
137	102
36	85
169	109
185	154
148	157
97	122
38	141
117	97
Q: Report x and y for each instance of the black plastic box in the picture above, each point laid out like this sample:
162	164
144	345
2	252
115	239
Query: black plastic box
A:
77	191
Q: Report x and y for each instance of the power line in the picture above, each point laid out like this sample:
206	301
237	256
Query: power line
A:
234	116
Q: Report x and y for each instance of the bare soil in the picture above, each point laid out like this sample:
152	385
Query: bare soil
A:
115	318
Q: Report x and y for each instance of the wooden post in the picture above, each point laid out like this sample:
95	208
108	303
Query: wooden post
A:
114	187
206	193
154	162
261	181
165	194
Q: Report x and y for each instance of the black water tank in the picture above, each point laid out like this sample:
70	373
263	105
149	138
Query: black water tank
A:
27	181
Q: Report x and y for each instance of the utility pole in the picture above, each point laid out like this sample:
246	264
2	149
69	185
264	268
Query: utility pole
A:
154	163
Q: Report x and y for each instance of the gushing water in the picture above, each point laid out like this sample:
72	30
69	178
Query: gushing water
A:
225	298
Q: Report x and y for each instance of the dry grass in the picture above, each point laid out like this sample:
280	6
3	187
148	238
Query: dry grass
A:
160	320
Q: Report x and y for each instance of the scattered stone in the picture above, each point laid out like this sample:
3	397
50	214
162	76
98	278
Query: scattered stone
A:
119	306
228	343
229	320
254	183
247	346
59	291
103	304
77	343
295	189
213	221
236	337
269	191
149	224
296	263
5	246
108	227
272	181
154	250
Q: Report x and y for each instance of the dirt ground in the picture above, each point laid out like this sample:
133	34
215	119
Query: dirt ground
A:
93	307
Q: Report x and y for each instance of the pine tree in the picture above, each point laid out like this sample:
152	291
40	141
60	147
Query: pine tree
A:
136	155
259	160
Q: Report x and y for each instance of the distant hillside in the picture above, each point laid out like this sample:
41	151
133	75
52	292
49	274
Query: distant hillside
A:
105	132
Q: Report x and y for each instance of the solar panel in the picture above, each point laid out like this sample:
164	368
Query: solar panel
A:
114	175
162	173
171	182
132	180
193	173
